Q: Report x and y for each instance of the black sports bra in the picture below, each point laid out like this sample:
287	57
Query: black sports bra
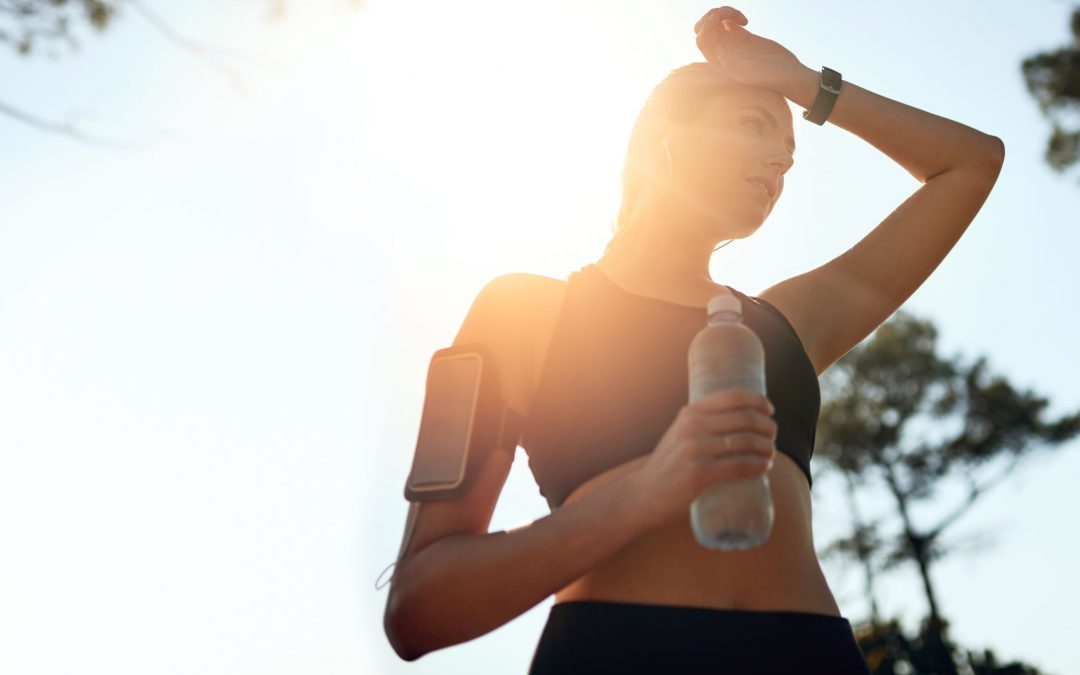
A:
616	375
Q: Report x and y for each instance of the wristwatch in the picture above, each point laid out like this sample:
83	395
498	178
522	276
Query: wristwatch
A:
826	97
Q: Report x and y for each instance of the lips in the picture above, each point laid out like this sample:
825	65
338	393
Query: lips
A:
769	185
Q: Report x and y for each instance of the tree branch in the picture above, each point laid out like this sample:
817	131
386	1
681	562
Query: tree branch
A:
976	491
63	129
201	50
225	50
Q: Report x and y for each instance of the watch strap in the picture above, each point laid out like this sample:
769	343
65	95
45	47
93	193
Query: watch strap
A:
828	89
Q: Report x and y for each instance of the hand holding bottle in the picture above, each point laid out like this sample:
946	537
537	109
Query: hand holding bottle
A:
725	436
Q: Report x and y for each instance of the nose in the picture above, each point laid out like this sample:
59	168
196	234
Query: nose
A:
781	161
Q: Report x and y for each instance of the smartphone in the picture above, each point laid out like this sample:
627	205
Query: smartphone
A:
448	424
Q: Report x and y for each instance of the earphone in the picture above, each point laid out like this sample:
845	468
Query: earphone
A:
667	151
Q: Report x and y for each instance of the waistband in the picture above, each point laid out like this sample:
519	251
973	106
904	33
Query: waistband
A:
630	609
589	636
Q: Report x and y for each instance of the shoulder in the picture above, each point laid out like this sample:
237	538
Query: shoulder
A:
507	314
514	299
519	286
522	296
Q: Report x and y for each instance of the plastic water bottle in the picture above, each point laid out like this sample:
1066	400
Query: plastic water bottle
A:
737	514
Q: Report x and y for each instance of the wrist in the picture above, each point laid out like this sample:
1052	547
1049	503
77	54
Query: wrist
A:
648	510
801	85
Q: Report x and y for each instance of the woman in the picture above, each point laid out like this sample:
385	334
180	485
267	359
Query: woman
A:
597	365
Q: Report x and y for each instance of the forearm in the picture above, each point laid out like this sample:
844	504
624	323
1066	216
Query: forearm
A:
923	143
464	586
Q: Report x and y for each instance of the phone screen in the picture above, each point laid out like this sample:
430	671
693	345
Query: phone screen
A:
453	389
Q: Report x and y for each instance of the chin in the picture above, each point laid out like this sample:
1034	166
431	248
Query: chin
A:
726	223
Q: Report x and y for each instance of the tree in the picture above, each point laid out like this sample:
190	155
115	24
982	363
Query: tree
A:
1053	78
873	399
26	25
32	27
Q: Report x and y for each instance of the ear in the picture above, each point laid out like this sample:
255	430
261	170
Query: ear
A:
672	136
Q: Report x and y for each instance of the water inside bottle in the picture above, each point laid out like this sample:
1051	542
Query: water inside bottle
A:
733	540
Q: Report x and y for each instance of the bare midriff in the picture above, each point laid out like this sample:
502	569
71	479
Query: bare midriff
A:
667	565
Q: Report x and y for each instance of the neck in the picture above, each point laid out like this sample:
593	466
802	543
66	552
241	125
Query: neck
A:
669	255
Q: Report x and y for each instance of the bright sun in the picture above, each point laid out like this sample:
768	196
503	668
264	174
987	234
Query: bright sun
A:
517	137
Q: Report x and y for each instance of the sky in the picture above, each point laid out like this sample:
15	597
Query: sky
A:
214	338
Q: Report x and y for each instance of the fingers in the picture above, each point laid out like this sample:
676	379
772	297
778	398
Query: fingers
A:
743	419
717	14
738	444
734	467
751	459
733	397
717	29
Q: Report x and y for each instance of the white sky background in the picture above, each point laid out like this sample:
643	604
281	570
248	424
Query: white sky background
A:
213	348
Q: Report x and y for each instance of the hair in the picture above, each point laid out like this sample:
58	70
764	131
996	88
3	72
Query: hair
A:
677	99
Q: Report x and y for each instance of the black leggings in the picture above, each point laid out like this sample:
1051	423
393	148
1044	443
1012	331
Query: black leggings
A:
592	636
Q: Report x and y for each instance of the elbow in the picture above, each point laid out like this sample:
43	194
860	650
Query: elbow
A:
999	145
982	160
402	648
400	630
995	156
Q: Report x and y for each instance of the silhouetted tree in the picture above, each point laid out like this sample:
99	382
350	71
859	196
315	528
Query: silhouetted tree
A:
1053	78
872	399
30	24
890	651
863	545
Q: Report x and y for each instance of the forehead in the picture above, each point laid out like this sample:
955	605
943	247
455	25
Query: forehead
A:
731	100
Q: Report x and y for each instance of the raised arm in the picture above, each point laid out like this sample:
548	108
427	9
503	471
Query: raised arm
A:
924	144
835	306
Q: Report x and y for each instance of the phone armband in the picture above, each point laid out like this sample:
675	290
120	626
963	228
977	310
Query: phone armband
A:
465	418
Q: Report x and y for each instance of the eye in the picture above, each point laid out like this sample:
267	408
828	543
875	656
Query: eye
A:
761	125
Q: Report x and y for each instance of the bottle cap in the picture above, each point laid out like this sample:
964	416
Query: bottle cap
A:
724	303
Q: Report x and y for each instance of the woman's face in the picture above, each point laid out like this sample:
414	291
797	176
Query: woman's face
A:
739	133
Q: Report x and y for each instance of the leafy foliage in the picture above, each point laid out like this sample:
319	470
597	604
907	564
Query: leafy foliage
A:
889	650
27	25
1053	79
879	403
